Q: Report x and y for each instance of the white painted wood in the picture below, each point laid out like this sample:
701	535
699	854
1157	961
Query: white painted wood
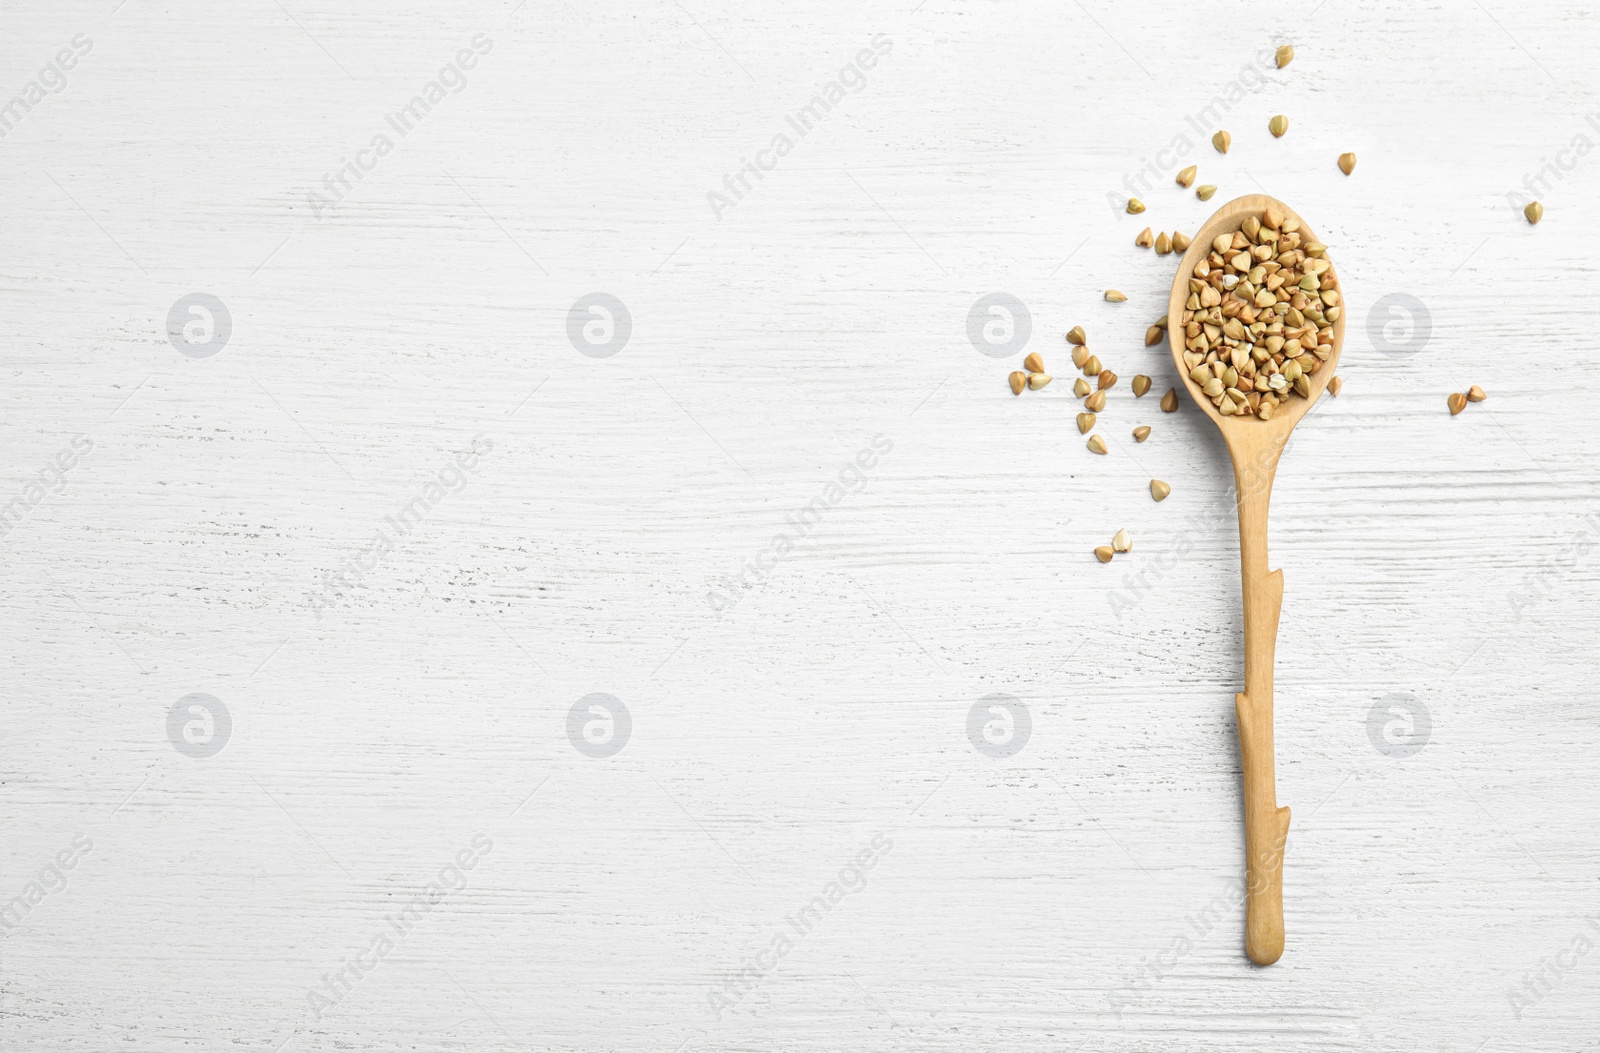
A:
1451	560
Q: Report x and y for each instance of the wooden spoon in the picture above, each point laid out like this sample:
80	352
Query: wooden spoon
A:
1254	445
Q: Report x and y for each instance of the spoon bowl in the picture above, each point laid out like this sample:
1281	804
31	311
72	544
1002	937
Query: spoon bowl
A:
1255	447
1288	414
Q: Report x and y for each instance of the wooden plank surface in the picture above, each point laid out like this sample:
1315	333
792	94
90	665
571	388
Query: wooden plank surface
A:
399	528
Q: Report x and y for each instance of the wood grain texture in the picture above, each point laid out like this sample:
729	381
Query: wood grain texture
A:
1082	892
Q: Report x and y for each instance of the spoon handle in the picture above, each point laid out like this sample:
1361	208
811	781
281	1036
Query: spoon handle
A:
1266	826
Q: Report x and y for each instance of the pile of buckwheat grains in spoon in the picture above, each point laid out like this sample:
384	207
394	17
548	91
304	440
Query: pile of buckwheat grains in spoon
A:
1259	318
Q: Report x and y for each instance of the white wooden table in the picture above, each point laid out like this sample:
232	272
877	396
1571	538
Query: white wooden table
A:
305	605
